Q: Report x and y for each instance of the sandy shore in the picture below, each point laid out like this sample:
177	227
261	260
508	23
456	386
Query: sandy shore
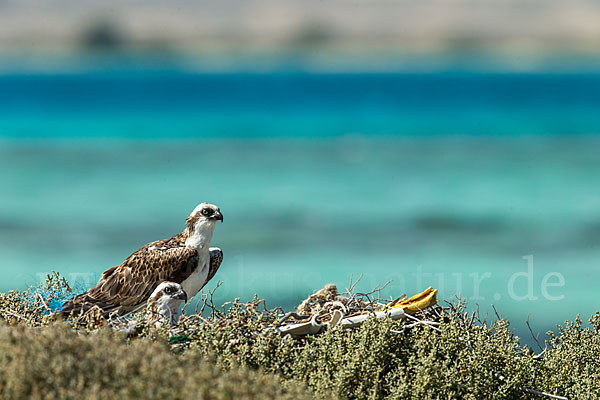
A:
402	25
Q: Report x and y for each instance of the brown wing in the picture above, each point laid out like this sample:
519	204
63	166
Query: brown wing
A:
216	258
130	284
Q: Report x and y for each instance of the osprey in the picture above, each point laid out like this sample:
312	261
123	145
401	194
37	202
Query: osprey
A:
185	258
163	304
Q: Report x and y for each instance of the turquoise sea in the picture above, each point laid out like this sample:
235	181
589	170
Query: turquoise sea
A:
444	179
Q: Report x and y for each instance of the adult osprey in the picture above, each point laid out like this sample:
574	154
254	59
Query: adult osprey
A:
185	259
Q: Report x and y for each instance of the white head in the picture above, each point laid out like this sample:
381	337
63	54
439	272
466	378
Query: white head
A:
165	302
201	224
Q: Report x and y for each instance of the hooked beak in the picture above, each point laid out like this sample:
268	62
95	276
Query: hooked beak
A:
181	296
219	216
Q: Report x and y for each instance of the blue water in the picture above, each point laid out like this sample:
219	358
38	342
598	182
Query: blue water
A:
174	104
444	180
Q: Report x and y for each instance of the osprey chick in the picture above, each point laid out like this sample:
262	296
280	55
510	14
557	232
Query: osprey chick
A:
163	304
185	258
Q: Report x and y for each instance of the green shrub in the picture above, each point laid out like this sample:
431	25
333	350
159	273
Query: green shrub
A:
377	362
574	362
57	363
236	354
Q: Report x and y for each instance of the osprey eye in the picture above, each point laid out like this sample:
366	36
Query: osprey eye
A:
169	290
205	212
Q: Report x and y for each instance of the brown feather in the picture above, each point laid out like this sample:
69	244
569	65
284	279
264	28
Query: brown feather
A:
124	287
216	258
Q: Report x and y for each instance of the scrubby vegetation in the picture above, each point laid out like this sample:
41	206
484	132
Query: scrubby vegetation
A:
232	354
57	363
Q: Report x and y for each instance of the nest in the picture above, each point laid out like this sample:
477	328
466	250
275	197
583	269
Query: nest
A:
328	307
324	302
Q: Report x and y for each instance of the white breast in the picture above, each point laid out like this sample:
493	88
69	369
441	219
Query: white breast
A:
200	240
197	279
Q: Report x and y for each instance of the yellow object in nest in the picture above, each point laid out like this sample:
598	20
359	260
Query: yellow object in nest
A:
417	302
